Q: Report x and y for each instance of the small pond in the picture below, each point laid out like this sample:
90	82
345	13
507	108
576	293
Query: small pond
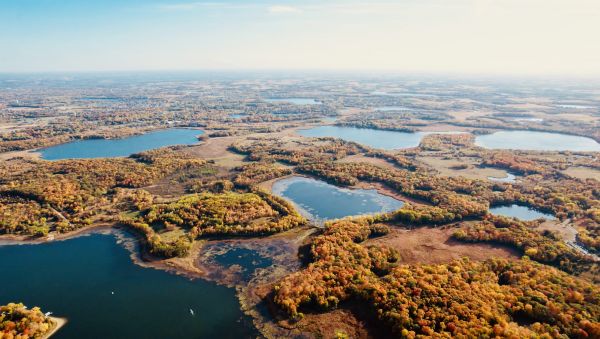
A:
403	94
571	106
520	212
249	260
526	120
321	201
510	178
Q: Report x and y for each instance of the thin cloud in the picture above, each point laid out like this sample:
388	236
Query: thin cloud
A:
363	7
181	6
283	9
186	6
355	7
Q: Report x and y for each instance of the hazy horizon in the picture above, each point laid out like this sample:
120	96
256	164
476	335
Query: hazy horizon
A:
462	37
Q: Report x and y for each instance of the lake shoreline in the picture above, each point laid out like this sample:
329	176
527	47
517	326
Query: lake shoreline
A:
13	239
380	188
118	241
353	200
537	141
59	323
92	148
194	266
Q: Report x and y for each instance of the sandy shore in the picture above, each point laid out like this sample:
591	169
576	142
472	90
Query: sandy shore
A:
383	190
268	185
444	128
29	154
185	267
10	239
60	322
380	188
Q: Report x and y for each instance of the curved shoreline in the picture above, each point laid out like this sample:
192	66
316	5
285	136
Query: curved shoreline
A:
12	239
380	200
578	144
191	268
36	153
59	323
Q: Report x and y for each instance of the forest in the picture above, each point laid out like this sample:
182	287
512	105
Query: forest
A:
37	197
546	189
496	297
544	247
19	322
194	216
173	199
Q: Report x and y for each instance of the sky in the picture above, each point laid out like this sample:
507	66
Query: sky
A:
505	37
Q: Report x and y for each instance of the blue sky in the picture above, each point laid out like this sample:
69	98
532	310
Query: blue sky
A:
450	36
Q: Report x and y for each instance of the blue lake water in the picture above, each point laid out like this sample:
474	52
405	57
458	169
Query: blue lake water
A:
321	201
101	99
575	106
238	116
537	141
105	148
93	282
249	260
391	108
403	94
329	120
295	101
370	137
526	120
510	178
519	212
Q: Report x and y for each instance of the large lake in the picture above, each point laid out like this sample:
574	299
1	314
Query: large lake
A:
520	212
370	137
537	141
320	201
93	282
105	148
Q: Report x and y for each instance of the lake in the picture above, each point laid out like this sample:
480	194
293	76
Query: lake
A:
526	120
106	148
574	106
295	101
391	108
249	260
93	282
371	137
510	178
329	120
536	141
403	94
319	201
101	99
520	212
